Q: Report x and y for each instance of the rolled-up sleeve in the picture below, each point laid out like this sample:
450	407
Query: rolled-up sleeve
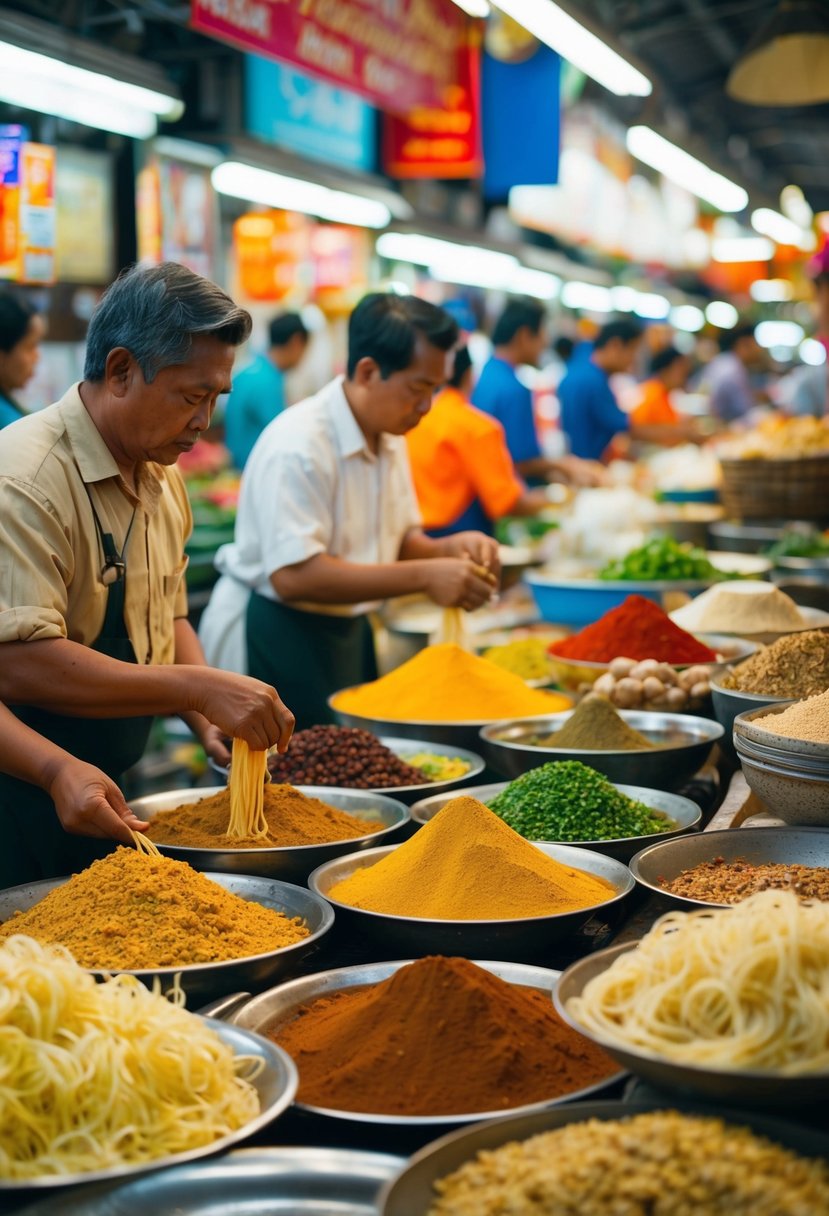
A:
36	565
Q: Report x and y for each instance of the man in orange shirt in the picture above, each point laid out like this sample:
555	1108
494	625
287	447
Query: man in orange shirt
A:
670	370
463	473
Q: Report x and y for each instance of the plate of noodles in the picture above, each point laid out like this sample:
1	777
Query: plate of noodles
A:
105	1080
725	1002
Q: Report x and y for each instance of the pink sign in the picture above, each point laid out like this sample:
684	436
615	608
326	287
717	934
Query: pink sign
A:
399	54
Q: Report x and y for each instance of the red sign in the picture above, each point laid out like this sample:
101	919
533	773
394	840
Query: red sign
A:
398	54
442	141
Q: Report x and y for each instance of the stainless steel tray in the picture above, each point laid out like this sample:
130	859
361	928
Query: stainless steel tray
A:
253	1181
685	813
276	1085
212	979
292	863
412	1194
266	1013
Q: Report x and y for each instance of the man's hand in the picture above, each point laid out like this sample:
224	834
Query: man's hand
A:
458	583
88	803
577	472
215	747
241	707
480	548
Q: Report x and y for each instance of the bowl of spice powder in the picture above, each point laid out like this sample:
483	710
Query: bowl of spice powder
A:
433	1041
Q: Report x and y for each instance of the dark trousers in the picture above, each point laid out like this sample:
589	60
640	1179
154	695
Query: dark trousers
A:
307	656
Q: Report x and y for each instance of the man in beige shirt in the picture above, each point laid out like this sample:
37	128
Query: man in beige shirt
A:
94	636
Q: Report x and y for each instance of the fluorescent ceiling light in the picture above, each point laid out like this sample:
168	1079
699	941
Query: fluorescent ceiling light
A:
470	265
771	291
49	86
651	306
812	352
687	317
292	194
549	23
742	249
652	149
623	298
783	231
587	296
779	333
475	8
793	204
722	314
536	283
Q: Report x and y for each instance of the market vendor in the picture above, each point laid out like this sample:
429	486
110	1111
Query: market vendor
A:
94	637
328	525
21	332
670	370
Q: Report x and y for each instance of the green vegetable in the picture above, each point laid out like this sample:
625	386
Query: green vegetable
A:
566	800
800	542
663	558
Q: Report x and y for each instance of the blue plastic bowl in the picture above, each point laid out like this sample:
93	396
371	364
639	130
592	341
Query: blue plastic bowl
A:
710	495
579	602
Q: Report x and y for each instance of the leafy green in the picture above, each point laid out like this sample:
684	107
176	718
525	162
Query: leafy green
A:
662	558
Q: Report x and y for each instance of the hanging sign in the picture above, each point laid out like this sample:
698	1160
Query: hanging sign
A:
397	54
521	121
12	139
439	141
27	211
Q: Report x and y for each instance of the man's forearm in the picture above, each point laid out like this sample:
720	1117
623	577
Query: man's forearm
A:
66	677
26	754
330	580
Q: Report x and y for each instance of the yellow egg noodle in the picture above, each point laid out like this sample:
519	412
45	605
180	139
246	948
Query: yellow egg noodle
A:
144	845
248	771
99	1075
743	987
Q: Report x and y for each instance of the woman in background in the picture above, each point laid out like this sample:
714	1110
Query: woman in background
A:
21	332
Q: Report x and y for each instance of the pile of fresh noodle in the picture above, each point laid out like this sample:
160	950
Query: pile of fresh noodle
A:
95	1076
734	988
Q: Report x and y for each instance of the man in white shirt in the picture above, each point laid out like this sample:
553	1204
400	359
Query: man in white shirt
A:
328	525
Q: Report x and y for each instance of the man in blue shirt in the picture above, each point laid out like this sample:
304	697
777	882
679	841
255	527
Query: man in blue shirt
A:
259	390
590	413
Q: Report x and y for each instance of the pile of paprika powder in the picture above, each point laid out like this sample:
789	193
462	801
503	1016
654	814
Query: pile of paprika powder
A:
637	629
439	1037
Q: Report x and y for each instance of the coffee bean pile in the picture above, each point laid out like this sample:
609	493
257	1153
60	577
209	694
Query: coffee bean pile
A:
340	755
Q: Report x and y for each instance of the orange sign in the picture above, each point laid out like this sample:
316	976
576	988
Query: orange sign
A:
27	217
271	248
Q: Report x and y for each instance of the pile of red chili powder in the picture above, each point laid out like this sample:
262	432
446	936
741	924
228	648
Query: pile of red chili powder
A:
439	1037
637	629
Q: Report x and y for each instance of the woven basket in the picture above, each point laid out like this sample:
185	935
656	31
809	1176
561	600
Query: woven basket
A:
776	489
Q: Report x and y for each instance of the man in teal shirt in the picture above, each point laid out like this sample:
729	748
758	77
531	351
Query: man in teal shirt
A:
259	391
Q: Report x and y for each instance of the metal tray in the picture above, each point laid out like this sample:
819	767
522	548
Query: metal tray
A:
751	1087
276	1085
504	939
267	1013
789	846
412	1194
685	742
685	813
256	1181
292	863
211	979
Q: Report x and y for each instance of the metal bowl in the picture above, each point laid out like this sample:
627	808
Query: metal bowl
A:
403	748
751	537
276	1085
808	590
736	1086
804	565
412	1193
685	813
729	702
211	979
667	859
292	863
684	744
748	729
268	1013
789	792
504	939
571	674
299	1181
453	734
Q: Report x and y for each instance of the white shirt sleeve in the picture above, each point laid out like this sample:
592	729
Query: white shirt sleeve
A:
293	509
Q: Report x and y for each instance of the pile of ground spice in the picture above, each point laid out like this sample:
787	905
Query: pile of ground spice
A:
796	665
466	864
728	882
342	755
808	720
637	629
447	684
596	726
130	912
293	819
744	607
439	1037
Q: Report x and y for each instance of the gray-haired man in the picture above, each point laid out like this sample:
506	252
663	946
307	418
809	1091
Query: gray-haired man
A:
94	637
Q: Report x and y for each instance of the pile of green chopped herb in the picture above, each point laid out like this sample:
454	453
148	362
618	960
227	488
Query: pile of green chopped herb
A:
663	558
566	800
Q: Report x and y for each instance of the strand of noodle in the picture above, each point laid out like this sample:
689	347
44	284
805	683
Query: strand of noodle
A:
143	844
248	770
97	1075
742	987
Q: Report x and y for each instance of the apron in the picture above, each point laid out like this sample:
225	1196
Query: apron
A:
307	656
33	844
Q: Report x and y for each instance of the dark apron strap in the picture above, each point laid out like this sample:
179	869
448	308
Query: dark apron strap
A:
307	656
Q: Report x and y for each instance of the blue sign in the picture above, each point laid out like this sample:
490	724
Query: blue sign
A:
288	108
521	97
